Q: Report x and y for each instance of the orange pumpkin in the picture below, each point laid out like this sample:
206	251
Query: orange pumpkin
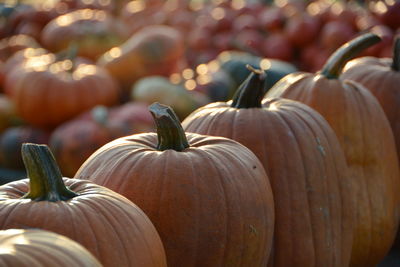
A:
366	138
111	227
302	156
208	197
38	248
94	31
47	90
381	76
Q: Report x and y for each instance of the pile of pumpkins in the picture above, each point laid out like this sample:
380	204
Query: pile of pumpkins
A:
305	173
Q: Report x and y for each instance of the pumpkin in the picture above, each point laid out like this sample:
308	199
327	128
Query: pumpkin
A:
74	141
38	248
366	138
306	167
12	44
111	227
381	76
208	197
94	31
11	141
153	50
234	62
49	89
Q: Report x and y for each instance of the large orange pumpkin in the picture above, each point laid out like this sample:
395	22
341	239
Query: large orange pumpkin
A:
111	227
381	76
208	197
366	138
38	248
47	90
302	156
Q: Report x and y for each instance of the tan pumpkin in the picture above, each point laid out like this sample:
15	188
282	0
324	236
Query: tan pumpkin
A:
208	197
153	50
39	248
111	227
367	140
314	204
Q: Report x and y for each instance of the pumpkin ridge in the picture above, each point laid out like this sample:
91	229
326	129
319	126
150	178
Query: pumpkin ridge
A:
197	204
231	154
222	182
370	235
326	184
342	189
116	225
281	115
94	249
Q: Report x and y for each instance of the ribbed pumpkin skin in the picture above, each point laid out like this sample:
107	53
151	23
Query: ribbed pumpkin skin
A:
38	248
211	203
46	98
378	77
366	138
306	167
112	228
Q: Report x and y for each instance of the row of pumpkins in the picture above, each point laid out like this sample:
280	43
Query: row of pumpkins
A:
259	180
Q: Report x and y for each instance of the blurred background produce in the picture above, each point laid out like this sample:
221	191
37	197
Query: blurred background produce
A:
183	53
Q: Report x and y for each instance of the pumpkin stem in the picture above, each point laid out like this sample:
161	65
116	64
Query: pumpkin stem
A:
251	92
396	54
45	178
336	62
169	129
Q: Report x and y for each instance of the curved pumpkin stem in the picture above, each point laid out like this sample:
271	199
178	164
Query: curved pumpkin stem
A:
396	54
336	62
45	178
251	92
169	129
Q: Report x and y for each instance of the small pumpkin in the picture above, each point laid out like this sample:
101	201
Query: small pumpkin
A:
367	140
153	50
74	141
111	227
208	197
37	248
314	205
50	89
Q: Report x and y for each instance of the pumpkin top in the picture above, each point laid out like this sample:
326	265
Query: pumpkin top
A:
251	92
169	129
336	62
44	175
